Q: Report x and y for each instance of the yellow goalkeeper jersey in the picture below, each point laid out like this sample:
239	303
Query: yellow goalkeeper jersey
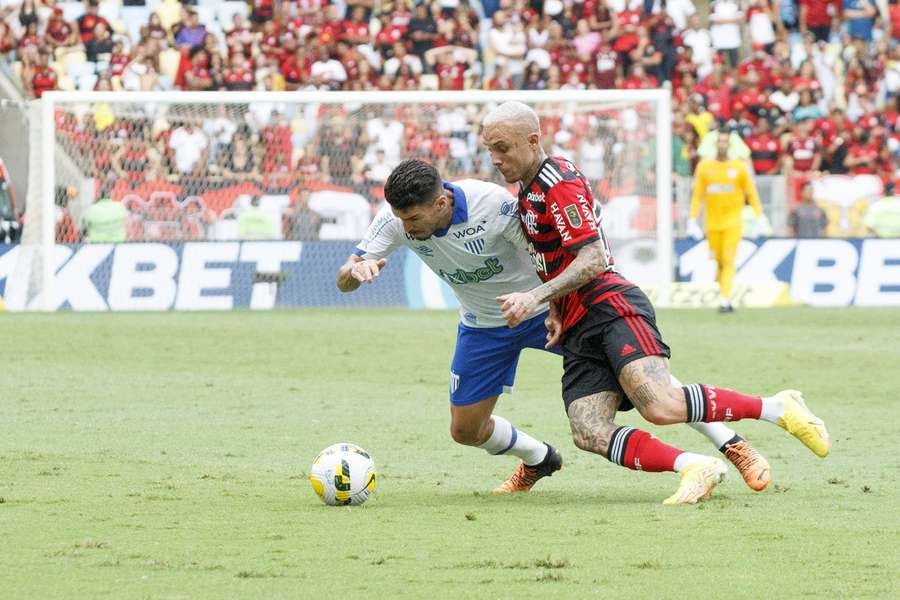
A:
722	187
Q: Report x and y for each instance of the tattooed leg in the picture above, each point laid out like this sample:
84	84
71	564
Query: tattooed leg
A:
594	430
648	385
591	420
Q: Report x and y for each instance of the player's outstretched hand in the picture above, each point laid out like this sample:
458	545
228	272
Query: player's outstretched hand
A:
517	307
366	270
553	323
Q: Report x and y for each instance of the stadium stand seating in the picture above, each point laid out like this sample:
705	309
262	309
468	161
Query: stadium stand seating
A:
846	123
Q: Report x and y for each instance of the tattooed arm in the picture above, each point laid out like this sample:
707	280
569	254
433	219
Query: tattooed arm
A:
589	262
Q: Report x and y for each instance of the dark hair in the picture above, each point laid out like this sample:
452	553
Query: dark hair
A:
195	50
412	183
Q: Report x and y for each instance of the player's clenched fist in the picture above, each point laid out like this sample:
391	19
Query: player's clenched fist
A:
366	270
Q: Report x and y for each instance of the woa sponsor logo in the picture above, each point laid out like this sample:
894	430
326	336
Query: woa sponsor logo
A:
468	231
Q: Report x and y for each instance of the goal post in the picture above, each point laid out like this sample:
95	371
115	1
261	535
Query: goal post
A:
124	144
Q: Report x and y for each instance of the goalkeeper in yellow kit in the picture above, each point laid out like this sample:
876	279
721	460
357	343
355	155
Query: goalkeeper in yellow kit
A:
722	185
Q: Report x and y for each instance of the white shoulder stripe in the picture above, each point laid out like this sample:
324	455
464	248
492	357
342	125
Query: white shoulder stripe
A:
550	168
547	182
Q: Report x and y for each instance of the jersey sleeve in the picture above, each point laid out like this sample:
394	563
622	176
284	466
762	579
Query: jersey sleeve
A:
385	234
572	213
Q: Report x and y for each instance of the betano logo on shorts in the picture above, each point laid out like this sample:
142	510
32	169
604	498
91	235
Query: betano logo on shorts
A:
491	267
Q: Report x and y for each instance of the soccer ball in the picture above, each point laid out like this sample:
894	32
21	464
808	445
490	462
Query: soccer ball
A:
343	474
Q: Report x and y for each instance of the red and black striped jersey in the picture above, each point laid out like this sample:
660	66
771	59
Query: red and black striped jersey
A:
559	215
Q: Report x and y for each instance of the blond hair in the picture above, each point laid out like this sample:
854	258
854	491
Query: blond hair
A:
515	114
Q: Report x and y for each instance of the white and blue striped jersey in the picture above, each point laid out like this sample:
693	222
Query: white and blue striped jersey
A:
481	255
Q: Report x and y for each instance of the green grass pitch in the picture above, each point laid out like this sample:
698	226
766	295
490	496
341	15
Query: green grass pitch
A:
164	456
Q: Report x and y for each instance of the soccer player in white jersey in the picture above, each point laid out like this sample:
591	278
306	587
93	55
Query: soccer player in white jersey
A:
469	234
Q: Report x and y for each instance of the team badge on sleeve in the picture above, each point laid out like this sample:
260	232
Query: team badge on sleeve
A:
573	216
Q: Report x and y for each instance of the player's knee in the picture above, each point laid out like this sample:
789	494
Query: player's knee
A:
584	442
591	438
466	434
668	407
657	416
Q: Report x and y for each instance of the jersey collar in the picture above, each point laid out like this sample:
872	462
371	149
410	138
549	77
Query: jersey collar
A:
524	189
460	209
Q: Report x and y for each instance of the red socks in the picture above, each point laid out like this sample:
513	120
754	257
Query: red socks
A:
638	450
707	404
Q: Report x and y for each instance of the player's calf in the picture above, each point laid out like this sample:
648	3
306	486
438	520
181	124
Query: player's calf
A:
648	385
593	429
591	421
471	424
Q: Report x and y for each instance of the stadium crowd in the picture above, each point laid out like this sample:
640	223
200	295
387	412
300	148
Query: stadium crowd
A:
810	85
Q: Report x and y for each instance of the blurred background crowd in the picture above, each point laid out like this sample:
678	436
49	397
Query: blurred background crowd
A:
810	87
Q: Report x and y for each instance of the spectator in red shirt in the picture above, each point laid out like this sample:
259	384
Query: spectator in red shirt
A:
328	25
894	18
864	155
751	98
58	32
7	39
806	78
684	65
118	59
765	151
569	63
607	70
820	17
628	22
804	154
350	58
638	79
262	12
649	56
89	20
238	75
388	35
601	18
803	157
240	37
269	43
41	77
198	76
356	28
717	90
296	70
760	63
450	72
276	138
30	38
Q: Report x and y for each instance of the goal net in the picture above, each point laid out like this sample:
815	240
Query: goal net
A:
142	184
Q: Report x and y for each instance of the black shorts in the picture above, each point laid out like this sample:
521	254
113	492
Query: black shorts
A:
822	32
613	333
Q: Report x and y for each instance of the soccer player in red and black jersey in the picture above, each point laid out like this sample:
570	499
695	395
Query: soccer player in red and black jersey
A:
613	354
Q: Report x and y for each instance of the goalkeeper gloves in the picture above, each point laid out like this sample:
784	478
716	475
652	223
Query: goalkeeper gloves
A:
693	230
760	227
